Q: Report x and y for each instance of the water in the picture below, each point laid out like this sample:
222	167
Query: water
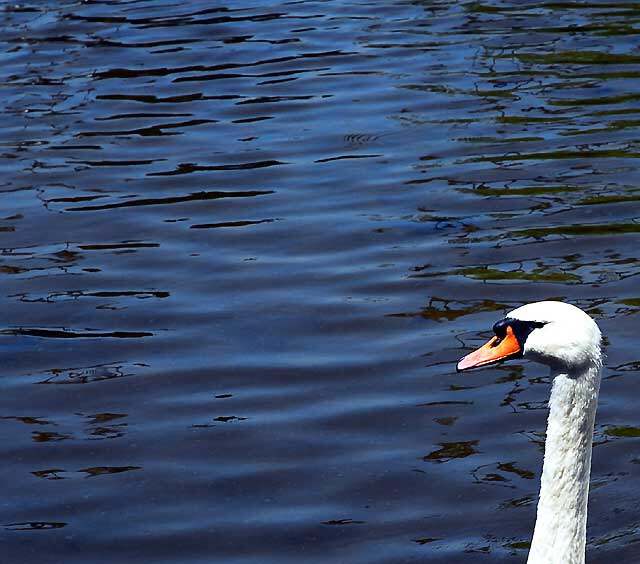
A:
244	246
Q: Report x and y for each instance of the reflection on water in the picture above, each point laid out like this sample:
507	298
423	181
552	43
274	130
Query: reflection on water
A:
33	526
453	450
87	374
252	240
58	474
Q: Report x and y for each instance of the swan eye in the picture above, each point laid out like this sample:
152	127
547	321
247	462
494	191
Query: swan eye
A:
500	327
521	329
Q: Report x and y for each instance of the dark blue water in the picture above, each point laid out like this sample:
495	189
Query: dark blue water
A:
244	244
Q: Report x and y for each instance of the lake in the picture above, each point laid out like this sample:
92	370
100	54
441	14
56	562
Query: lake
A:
244	245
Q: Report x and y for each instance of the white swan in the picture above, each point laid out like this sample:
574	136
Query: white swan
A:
565	338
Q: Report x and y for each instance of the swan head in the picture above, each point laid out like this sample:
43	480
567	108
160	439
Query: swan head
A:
557	334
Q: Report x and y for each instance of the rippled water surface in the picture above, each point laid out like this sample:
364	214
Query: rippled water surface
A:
244	244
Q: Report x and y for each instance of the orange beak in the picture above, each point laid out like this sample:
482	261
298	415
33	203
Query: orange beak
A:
494	351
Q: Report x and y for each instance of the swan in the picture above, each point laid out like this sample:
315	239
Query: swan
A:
567	340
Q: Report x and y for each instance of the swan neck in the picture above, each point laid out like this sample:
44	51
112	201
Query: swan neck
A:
560	532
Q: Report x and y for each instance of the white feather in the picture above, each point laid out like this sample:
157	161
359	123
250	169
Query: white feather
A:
569	343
